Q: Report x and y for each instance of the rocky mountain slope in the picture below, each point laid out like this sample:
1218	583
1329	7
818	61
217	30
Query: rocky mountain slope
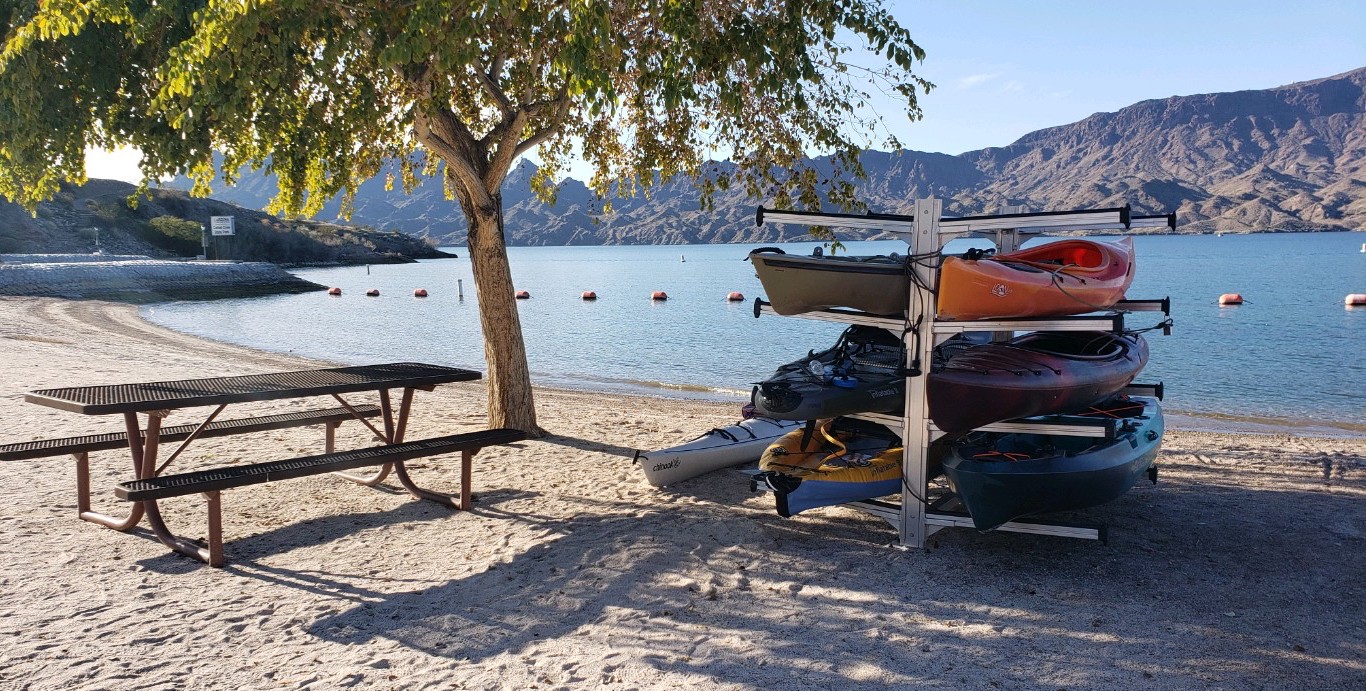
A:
1288	158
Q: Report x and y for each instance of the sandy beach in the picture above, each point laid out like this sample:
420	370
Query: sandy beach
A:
1243	568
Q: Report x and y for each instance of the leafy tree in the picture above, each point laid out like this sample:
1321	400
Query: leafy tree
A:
178	229
328	94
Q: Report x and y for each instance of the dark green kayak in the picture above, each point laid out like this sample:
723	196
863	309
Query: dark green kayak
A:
1001	477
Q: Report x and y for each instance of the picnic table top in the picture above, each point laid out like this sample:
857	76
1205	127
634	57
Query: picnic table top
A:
187	393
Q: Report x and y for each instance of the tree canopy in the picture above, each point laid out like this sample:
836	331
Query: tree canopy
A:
329	93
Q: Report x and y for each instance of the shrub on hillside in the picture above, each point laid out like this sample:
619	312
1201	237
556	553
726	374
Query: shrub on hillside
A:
172	234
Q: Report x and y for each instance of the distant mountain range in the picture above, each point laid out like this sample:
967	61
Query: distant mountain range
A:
1291	158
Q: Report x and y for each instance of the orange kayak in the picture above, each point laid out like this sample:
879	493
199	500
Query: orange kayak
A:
1057	278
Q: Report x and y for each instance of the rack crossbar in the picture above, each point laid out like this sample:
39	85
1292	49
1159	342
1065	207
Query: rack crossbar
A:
1083	322
1061	425
761	306
887	511
955	519
1118	218
1149	390
1164	306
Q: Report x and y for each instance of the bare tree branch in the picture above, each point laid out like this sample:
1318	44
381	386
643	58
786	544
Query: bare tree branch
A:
561	105
486	81
456	147
506	151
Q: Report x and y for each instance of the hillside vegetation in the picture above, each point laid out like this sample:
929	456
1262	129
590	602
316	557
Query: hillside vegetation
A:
168	224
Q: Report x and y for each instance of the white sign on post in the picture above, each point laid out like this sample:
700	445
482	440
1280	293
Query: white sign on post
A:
221	225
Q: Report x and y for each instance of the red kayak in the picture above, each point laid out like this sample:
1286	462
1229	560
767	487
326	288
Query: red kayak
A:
1042	373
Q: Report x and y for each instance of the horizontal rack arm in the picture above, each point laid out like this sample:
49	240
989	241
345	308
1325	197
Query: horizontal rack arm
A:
1081	322
1062	425
1164	306
1148	221
1150	390
1154	221
1113	322
1115	218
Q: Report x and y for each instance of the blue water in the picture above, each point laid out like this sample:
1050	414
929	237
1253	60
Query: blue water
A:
1292	352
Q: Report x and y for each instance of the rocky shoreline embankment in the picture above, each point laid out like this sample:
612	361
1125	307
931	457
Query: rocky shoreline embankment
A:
139	279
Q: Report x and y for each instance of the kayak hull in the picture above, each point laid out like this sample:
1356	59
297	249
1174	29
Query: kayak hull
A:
1003	477
742	442
796	284
810	469
861	373
1053	279
1036	374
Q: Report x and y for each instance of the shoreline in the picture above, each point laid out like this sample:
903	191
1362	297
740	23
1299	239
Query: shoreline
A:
1195	421
1239	569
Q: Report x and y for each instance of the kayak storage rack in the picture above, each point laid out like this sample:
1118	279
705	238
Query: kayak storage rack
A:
919	515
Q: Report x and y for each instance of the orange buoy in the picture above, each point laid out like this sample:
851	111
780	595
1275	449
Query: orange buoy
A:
659	296
372	293
1356	300
1230	299
523	295
589	295
735	296
334	291
420	293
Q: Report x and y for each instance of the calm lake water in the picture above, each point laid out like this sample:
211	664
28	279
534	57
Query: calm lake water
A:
1291	355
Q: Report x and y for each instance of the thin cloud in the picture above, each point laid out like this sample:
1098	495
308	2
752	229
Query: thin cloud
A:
974	80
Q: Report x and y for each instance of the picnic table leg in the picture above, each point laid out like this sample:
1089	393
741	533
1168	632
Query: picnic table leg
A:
393	432
465	501
405	405
387	412
148	454
83	498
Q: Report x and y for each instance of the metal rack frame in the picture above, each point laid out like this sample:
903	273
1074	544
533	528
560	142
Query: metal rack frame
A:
926	230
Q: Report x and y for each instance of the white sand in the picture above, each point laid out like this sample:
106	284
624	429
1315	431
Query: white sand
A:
1244	568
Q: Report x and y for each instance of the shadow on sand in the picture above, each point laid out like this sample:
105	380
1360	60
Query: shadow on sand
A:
713	588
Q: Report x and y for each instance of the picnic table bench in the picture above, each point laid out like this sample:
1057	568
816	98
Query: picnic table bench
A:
157	399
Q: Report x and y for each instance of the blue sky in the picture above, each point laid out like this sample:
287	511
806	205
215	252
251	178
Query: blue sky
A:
1004	69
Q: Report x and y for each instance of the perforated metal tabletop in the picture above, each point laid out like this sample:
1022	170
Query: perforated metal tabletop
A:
186	393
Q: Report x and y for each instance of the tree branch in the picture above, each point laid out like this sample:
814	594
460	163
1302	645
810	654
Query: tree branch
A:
491	88
458	155
561	105
507	150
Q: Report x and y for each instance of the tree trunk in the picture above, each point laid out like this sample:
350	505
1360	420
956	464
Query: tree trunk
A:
509	381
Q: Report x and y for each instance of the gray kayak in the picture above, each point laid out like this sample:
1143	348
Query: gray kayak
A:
718	448
796	284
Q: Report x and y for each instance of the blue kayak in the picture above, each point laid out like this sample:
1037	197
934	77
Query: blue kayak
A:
1001	477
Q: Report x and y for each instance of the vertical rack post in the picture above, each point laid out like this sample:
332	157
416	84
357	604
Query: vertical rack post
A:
920	315
1007	240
